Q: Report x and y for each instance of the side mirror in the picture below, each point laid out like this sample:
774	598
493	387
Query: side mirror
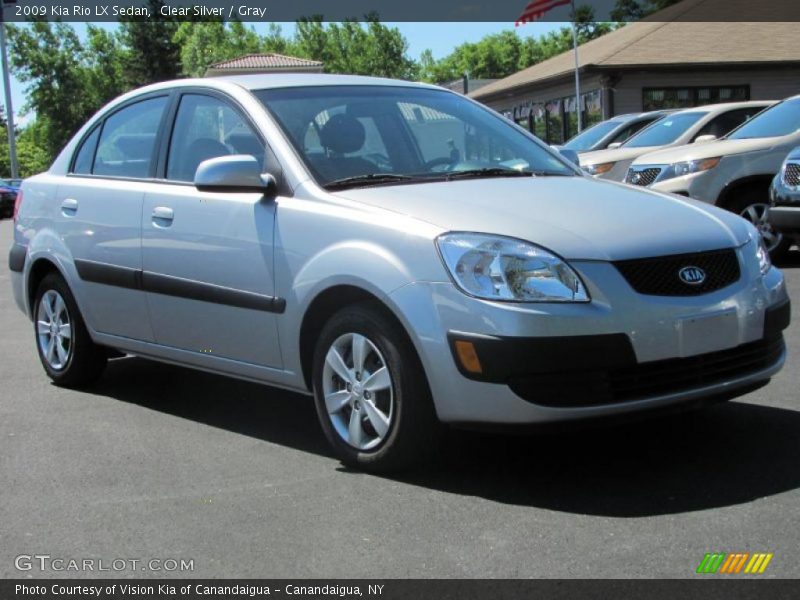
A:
702	139
236	173
570	155
614	145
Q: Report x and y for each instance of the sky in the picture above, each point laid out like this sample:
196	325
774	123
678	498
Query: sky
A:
440	38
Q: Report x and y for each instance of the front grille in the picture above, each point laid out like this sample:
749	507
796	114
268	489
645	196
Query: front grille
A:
660	276
646	380
791	176
642	177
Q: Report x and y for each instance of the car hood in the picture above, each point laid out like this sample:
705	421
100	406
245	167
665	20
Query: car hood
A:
599	157
576	217
707	150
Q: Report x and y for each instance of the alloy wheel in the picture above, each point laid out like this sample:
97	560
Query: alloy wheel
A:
757	214
54	330
358	391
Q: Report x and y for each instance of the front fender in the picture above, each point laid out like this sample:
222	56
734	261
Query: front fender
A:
360	264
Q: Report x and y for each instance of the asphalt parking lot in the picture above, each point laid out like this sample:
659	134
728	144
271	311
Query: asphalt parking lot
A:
162	462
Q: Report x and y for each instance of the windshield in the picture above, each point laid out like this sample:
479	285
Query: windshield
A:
378	135
779	120
664	131
585	140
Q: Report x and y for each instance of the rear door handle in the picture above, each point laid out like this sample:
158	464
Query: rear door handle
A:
162	214
69	207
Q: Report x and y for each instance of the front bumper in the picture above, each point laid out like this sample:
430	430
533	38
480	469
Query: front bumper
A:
700	186
785	219
593	356
586	371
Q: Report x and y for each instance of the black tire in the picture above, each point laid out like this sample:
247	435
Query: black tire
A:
750	196
414	430
86	360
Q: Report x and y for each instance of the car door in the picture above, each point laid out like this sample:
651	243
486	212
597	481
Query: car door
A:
100	211
208	256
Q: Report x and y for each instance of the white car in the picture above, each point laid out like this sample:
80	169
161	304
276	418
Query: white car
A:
734	173
690	126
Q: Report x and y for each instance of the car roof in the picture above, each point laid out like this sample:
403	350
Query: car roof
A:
284	80
725	106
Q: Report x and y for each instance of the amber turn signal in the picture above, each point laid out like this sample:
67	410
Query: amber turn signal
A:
468	357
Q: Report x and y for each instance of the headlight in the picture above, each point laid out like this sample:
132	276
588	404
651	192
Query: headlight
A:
599	169
691	166
501	268
764	261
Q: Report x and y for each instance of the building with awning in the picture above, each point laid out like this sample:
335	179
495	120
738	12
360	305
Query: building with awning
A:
670	60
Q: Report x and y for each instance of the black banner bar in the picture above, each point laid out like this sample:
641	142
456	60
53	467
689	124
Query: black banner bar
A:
705	587
387	10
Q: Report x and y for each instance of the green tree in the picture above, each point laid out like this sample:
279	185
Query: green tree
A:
369	48
206	43
152	54
633	10
49	59
502	54
31	153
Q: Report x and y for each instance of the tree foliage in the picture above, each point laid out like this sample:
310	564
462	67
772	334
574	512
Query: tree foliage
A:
501	54
152	53
31	153
633	10
67	80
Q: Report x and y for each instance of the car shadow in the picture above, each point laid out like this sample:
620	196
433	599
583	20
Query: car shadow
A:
724	455
791	260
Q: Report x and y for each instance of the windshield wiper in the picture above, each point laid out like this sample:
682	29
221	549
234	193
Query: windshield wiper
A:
367	179
487	172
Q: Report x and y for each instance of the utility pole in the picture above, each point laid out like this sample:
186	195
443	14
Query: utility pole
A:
577	68
12	135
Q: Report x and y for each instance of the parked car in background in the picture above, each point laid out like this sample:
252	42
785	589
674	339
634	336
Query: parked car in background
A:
784	196
734	173
8	196
318	233
690	126
612	132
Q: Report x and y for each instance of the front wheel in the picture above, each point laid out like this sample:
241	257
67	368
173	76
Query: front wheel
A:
758	214
68	354
370	392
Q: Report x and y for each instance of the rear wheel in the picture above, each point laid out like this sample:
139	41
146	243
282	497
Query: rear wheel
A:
371	394
66	351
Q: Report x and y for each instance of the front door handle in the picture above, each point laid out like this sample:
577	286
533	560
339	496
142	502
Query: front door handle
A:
69	207
163	215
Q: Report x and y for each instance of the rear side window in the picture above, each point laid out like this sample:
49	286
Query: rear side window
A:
128	140
630	131
205	128
85	156
724	123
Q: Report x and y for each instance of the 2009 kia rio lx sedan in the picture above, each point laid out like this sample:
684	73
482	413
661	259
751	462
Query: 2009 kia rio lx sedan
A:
405	254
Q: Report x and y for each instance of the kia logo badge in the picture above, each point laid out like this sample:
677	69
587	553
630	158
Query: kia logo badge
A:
692	275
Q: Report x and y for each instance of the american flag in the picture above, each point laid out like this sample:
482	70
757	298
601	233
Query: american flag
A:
537	8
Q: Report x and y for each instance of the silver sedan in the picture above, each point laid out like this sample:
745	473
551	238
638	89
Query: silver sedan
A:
399	251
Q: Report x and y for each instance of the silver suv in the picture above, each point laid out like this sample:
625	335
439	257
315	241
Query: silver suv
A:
401	252
735	172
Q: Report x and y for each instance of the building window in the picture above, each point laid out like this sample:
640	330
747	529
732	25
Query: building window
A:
687	97
556	120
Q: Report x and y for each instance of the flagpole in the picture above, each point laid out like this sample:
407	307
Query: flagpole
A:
577	67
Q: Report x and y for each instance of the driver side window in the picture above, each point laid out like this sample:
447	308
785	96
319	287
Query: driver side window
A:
205	128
